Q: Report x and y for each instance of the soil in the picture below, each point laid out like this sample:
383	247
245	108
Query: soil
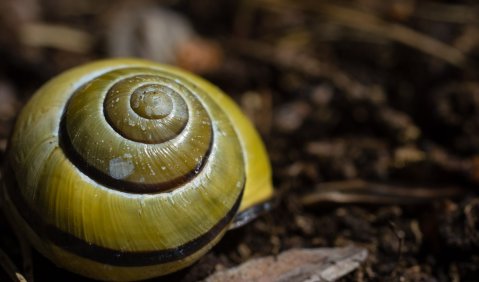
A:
369	111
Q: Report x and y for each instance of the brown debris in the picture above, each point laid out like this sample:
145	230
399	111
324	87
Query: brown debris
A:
368	109
9	106
291	116
296	265
355	19
459	226
147	30
257	105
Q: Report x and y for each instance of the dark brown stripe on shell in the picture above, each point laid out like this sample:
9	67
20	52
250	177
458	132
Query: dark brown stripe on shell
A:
104	255
122	185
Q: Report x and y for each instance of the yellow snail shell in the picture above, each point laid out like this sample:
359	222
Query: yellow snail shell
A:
126	169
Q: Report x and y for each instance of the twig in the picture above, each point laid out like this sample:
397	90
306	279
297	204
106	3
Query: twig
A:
26	255
297	61
365	22
453	13
56	36
10	268
361	191
27	259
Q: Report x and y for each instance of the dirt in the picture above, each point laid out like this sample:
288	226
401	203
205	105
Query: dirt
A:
375	102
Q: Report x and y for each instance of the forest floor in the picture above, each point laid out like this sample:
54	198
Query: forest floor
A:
369	110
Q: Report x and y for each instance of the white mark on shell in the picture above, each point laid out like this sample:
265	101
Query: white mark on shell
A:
198	165
120	168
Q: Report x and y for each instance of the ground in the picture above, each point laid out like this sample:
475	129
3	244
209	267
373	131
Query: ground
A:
369	111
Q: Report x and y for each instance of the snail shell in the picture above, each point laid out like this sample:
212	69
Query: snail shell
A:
126	169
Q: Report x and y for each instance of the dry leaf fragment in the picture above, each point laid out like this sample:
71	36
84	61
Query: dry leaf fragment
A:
322	264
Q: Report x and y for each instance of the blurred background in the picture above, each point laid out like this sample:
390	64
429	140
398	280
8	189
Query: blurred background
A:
369	110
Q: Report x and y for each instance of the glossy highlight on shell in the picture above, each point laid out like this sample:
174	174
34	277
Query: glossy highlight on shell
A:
126	169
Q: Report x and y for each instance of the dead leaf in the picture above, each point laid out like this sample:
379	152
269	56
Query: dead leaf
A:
322	264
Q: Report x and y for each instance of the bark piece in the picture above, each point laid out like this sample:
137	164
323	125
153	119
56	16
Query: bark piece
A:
322	264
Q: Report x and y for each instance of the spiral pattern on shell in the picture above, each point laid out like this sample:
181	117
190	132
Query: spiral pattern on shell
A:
134	169
156	132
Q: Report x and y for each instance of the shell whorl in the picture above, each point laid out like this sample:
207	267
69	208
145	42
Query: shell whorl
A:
154	129
130	164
